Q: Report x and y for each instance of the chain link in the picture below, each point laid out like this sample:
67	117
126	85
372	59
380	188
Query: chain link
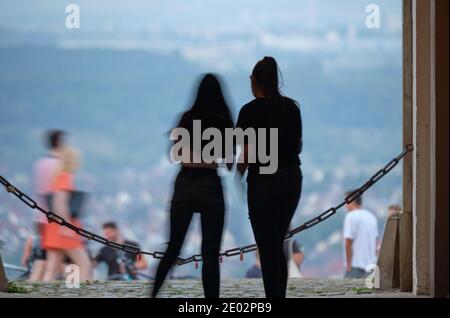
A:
52	217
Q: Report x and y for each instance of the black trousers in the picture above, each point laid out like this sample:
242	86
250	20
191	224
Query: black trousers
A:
196	190
272	201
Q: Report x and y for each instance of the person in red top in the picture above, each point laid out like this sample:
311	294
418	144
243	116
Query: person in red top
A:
60	241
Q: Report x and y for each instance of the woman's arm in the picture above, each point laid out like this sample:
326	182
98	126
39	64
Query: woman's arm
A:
349	254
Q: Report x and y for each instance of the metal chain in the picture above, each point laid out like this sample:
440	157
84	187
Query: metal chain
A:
52	217
319	219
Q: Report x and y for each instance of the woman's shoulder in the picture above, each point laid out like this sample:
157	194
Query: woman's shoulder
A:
185	119
252	105
187	115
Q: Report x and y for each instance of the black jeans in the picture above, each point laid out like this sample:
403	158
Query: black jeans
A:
196	190
272	201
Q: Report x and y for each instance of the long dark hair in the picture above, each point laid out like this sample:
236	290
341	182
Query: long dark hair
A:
209	106
210	100
266	74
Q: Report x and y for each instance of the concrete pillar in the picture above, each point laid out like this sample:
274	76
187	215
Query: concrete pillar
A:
388	259
424	153
441	132
406	225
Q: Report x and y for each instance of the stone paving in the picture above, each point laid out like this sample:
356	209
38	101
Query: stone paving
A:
239	288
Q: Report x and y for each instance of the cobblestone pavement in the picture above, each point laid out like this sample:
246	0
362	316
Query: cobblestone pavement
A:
240	288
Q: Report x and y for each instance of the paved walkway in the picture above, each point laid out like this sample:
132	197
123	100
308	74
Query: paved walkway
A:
241	288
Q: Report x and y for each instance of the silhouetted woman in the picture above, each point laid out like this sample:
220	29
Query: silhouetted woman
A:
272	198
198	188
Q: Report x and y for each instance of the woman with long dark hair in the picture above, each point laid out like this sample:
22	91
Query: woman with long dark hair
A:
198	188
272	198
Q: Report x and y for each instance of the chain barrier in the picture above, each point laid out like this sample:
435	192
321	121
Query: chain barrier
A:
319	219
52	217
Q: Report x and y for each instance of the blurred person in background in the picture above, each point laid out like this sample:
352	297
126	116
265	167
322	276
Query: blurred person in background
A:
60	241
360	239
119	263
34	256
296	256
255	270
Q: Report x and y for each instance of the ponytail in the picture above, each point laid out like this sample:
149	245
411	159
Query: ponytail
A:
266	75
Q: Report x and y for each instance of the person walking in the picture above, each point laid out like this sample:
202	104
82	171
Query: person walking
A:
43	172
60	241
360	239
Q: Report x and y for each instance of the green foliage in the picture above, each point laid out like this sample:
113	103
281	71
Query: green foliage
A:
363	290
14	288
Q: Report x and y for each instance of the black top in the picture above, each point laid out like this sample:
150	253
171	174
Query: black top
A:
286	117
209	120
112	257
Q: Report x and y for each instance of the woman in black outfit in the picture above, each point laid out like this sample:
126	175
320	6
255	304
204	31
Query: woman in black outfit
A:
198	188
272	198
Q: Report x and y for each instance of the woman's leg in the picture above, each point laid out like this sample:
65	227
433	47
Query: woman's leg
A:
38	271
292	192
212	220
180	218
80	257
267	239
264	209
53	263
285	217
272	203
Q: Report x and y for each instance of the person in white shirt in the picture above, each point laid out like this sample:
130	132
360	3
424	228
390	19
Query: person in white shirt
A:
360	240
